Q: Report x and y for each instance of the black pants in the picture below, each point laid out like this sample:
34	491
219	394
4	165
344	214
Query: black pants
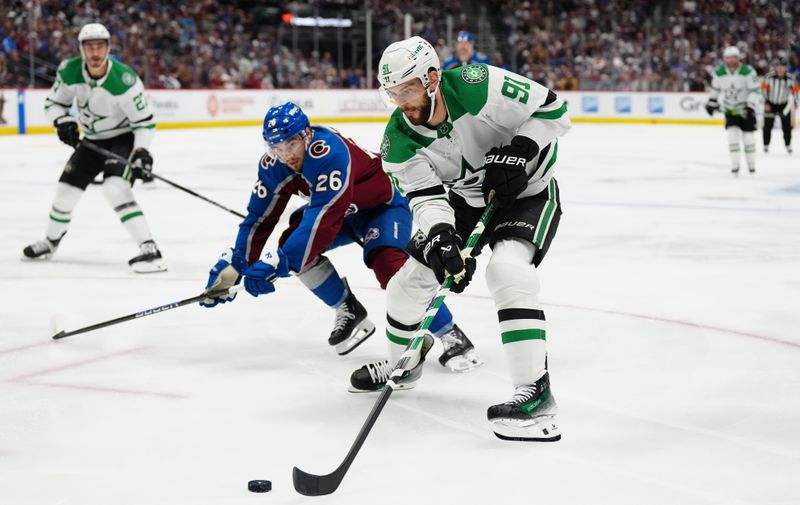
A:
84	164
532	219
786	123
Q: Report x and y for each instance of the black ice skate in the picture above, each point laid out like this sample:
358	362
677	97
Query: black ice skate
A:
43	249
789	149
529	416
751	169
149	261
459	354
351	327
373	376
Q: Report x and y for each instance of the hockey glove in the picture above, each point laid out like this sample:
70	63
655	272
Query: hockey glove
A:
505	170
749	112
711	106
67	129
259	277
444	257
221	276
142	164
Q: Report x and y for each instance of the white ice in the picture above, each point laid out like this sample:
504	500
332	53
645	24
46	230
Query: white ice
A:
672	292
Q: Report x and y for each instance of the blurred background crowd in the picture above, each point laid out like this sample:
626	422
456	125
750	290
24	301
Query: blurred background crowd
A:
634	45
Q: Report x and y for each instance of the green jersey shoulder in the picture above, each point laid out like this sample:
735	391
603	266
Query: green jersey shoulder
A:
744	69
400	142
119	80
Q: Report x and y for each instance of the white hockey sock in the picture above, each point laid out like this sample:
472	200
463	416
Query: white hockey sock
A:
407	296
119	195
64	202
750	149
734	139
514	284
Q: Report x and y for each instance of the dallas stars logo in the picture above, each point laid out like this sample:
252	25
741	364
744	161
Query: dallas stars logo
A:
385	145
474	74
385	68
89	119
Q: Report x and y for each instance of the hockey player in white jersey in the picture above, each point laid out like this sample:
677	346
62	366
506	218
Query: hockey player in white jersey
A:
476	130
734	90
114	114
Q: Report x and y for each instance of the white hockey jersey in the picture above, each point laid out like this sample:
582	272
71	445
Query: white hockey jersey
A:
108	107
735	89
486	106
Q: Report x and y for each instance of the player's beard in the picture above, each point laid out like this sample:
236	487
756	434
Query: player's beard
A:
418	116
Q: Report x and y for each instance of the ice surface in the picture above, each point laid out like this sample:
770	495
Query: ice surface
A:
672	293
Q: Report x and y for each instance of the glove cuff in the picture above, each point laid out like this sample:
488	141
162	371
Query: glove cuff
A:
66	118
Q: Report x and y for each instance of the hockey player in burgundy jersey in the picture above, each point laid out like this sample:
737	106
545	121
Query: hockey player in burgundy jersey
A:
349	198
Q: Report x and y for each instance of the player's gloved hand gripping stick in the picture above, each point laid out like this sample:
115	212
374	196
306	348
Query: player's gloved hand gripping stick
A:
149	312
110	154
317	485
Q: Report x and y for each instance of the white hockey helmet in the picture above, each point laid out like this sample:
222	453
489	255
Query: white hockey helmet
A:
731	51
406	60
93	31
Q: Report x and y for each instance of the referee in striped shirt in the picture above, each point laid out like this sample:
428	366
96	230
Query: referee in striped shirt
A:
779	88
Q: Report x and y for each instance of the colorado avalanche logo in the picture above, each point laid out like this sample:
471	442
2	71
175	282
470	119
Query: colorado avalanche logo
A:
372	234
318	149
266	162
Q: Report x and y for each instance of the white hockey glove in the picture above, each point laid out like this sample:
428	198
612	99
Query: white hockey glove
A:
221	276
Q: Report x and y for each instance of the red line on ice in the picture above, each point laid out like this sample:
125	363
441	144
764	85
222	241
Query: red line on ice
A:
76	364
101	389
24	347
26	378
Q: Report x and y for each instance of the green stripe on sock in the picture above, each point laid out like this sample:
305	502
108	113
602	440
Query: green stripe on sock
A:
544	223
131	216
59	220
551	114
518	335
397	340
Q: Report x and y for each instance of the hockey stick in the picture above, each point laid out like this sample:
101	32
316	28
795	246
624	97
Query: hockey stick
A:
110	154
149	312
318	485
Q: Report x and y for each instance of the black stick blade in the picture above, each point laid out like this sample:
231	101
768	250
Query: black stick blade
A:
60	334
316	485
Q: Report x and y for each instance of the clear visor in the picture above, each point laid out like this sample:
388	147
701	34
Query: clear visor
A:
282	150
400	94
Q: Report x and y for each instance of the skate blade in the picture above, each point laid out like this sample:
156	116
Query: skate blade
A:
464	363
538	429
149	267
43	257
362	332
399	387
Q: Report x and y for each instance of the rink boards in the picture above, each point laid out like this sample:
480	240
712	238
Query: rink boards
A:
23	110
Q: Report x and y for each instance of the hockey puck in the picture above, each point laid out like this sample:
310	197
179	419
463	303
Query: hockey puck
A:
259	486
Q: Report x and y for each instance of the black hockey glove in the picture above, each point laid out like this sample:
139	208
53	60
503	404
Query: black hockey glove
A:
442	252
67	129
711	106
142	164
505	170
749	112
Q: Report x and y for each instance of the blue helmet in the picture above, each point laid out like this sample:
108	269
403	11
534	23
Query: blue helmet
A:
465	36
283	122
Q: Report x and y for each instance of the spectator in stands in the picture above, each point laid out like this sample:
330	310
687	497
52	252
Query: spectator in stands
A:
464	53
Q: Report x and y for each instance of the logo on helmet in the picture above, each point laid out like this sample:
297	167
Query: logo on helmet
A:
385	68
474	74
